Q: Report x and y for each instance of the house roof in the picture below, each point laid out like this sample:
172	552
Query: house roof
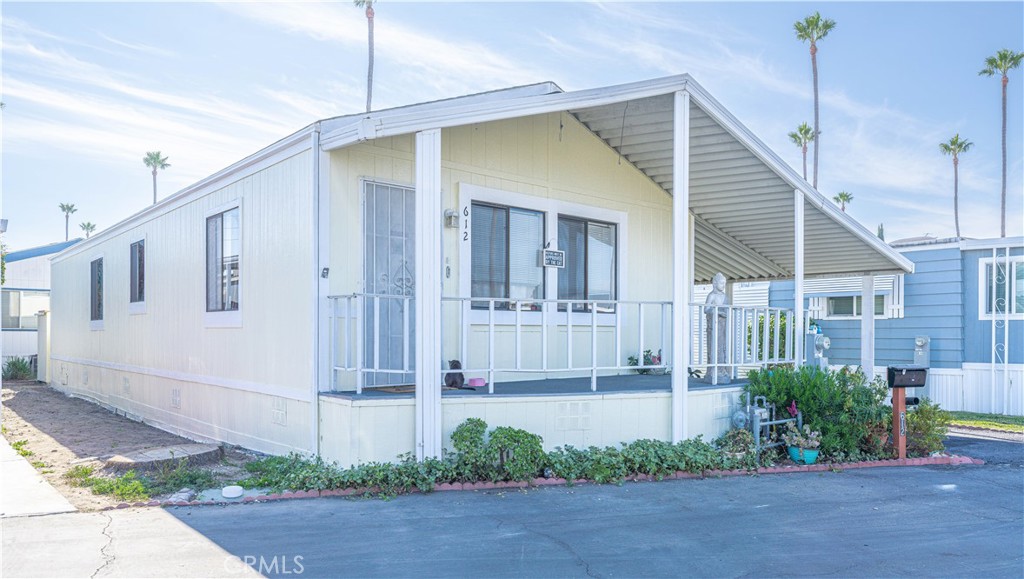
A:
41	250
741	193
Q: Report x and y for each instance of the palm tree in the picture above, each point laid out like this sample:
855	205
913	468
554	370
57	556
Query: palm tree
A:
955	147
881	231
68	209
842	198
88	227
812	29
800	138
1003	62
155	161
368	4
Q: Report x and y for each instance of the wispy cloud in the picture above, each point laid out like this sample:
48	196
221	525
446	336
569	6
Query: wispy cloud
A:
137	47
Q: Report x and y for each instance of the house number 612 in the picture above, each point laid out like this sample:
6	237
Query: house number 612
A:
465	223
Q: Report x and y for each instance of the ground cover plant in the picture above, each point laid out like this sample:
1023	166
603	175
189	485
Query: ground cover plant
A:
133	486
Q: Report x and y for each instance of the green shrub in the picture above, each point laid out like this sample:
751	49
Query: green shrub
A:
169	479
843	405
18	369
570	463
926	427
518	454
471	460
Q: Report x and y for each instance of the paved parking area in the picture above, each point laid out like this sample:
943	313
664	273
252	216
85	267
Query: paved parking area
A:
943	521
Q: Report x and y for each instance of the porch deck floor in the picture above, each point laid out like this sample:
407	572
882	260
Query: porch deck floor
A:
555	387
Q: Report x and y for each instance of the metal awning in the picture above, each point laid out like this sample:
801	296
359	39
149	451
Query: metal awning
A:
741	193
741	198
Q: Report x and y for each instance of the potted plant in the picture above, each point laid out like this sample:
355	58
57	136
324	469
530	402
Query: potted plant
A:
802	445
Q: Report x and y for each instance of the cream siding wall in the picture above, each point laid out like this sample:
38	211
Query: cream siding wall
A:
545	157
361	431
248	385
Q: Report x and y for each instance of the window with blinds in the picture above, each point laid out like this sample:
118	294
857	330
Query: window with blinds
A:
590	262
505	246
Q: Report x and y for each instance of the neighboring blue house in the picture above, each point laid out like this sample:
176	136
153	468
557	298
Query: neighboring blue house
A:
976	358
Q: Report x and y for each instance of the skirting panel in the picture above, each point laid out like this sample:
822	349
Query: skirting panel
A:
201	412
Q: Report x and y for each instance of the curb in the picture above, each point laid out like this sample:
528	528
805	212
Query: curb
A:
953	460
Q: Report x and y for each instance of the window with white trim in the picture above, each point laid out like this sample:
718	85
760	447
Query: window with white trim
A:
850	307
20	307
1001	291
590	261
506	244
96	290
137	276
223	257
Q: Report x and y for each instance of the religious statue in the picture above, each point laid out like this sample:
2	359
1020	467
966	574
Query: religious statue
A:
716	308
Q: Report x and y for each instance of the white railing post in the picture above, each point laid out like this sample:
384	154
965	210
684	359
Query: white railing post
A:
568	334
518	336
360	342
490	346
593	347
544	335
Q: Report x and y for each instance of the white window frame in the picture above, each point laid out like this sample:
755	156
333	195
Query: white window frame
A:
551	208
137	308
819	306
230	318
97	325
1014	262
21	296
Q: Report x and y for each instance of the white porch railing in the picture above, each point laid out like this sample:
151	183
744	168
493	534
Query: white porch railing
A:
371	337
740	336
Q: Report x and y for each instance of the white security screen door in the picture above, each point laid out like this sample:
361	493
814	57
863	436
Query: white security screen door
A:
388	242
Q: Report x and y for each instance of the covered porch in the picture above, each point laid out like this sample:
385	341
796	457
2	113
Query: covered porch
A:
730	206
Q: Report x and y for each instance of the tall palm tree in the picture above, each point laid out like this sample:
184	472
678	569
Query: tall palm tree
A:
842	198
68	209
881	231
1003	62
368	4
800	137
155	161
812	29
88	227
955	147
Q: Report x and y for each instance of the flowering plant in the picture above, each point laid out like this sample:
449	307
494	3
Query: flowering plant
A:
807	439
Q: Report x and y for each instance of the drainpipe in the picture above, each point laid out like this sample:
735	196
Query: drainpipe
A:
314	402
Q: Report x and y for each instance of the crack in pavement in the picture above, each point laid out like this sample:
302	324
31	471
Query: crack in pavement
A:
107	558
579	560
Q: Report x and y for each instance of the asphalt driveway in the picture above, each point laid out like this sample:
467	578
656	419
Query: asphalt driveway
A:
941	521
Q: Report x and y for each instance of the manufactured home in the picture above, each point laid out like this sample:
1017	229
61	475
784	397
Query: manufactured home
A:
26	292
961	313
311	297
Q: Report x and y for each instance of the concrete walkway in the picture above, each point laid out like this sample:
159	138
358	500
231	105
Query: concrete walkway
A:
23	491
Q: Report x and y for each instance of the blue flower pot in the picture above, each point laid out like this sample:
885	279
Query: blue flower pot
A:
808	456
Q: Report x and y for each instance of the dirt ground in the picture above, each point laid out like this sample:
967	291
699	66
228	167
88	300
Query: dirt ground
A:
62	432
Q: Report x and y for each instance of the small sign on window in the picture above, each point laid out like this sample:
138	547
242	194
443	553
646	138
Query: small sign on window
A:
552	258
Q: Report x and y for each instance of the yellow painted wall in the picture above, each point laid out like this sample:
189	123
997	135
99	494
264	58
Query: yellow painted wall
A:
546	157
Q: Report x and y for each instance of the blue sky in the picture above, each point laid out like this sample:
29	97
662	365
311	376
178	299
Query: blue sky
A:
91	87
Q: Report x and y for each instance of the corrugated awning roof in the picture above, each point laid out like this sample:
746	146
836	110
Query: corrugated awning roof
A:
741	192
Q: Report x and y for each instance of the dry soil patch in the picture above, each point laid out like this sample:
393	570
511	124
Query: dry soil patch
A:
62	432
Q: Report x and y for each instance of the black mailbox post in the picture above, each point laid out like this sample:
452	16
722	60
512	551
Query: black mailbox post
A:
900	378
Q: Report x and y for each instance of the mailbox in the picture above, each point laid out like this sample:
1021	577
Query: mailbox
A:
907	376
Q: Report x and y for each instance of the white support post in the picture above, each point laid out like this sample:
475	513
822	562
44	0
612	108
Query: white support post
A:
429	213
681	280
867	325
325	346
798	274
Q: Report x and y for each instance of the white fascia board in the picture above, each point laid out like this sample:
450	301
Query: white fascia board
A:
994	243
286	147
379	125
719	113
